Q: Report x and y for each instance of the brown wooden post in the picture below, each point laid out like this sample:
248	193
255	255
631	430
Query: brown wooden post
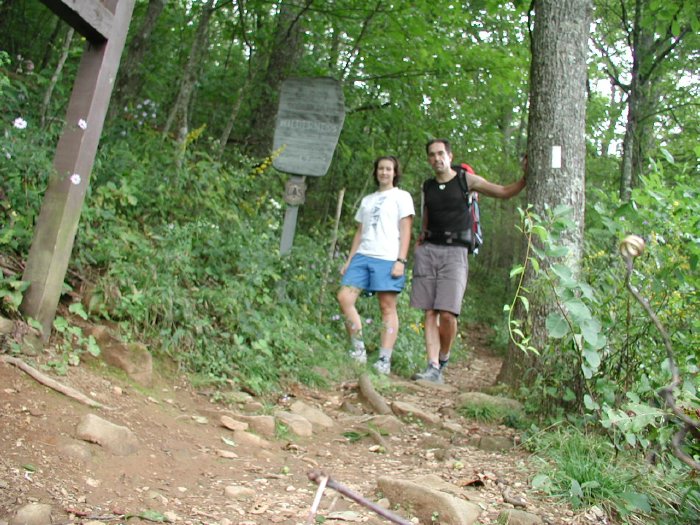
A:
105	25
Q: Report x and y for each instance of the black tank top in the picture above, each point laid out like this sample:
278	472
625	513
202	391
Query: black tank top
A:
446	208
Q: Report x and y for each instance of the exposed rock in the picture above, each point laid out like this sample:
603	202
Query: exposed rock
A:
233	424
117	439
297	424
519	517
75	450
264	425
425	503
403	409
389	424
314	415
247	439
133	358
479	398
7	326
495	443
239	493
33	514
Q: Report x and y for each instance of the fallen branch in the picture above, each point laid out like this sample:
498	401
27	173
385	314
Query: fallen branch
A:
52	383
320	477
373	398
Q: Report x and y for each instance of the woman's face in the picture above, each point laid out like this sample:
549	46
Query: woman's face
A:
385	174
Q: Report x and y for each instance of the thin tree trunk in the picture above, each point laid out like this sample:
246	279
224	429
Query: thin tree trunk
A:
56	75
179	114
130	77
558	78
284	57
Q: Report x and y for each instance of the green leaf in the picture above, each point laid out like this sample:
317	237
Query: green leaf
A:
541	482
92	347
578	310
79	310
667	154
60	324
636	501
592	358
526	303
590	329
517	271
589	403
557	327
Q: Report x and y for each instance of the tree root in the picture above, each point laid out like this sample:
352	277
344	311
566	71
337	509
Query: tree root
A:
52	383
373	398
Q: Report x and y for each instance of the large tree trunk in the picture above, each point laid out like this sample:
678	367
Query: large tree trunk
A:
284	57
179	114
130	78
557	119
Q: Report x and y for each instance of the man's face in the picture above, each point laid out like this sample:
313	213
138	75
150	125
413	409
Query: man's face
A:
438	157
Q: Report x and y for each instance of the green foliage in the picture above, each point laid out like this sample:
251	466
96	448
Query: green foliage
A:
585	469
491	413
605	362
71	343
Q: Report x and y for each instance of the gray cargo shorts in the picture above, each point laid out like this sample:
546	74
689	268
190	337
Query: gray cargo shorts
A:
439	277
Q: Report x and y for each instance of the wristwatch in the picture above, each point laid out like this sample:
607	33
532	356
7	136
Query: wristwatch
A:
402	260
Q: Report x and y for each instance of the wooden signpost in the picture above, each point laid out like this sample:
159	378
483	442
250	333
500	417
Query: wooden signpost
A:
309	120
104	24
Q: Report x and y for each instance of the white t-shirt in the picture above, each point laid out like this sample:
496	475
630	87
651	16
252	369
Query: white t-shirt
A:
380	213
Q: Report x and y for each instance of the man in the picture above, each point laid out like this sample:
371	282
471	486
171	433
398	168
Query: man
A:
440	257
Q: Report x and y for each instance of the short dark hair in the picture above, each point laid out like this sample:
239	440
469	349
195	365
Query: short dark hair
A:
446	142
397	169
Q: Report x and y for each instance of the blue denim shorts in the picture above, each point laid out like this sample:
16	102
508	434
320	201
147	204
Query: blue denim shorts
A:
372	275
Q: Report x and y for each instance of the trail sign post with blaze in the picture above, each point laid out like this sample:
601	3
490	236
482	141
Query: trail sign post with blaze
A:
309	120
104	25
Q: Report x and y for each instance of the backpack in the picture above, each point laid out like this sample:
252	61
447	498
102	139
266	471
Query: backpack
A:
474	234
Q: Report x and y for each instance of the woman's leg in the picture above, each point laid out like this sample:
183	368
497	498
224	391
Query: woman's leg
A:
347	297
390	319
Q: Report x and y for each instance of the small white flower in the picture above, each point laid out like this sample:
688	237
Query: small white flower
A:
20	123
75	179
82	124
7	155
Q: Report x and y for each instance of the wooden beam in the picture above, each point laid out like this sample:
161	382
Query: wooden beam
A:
57	224
90	18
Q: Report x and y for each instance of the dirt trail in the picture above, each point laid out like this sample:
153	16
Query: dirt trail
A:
179	472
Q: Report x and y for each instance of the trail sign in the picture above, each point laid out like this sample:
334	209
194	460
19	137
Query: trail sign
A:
309	120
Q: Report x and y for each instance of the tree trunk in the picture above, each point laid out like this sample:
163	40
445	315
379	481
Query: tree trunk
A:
558	77
284	56
130	77
649	51
179	114
56	74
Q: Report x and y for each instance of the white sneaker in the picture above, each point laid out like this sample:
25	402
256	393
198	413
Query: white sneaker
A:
359	355
382	365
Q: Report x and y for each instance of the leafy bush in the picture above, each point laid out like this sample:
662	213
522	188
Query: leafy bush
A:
585	470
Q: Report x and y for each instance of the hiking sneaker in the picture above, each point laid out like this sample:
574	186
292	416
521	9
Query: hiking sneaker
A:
382	365
431	373
359	355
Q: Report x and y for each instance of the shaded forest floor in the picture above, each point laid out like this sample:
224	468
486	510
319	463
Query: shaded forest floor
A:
188	468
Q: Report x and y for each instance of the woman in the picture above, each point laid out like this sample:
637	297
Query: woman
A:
377	259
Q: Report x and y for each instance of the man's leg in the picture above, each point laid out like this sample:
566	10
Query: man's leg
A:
448	332
432	336
432	346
